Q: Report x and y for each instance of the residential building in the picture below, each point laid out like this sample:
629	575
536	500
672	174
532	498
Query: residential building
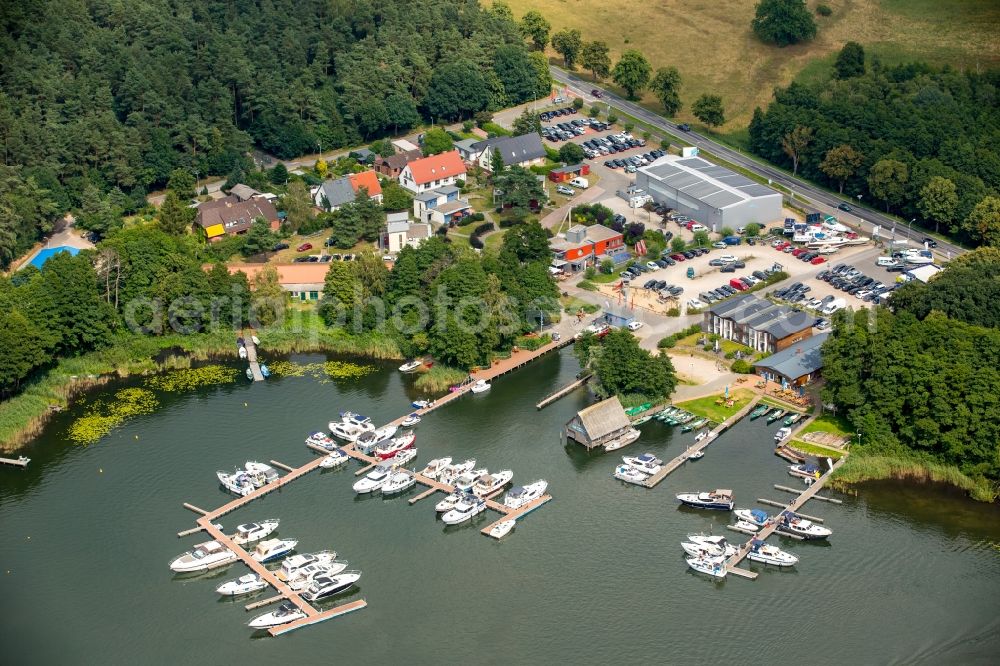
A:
525	150
333	194
399	232
598	424
362	155
430	173
583	246
758	323
707	193
243	192
441	206
795	365
562	174
392	166
302	281
231	216
467	149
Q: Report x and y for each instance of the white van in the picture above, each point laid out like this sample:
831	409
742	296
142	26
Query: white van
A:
580	182
834	305
886	261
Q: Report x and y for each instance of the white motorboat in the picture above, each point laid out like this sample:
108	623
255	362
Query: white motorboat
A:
243	352
433	469
465	481
411	420
502	529
696	455
624	440
701	435
717	499
403	458
798	526
782	434
368	441
521	495
646	463
336	458
251	532
713	566
449	473
712	546
273	549
321	439
768	554
389	449
398	482
291	565
630	474
466	508
204	556
327	586
349	431
490	483
755	517
410	366
238	482
304	576
746	526
805	471
261	473
449	502
255	340
374	480
481	386
421	404
246	584
283	614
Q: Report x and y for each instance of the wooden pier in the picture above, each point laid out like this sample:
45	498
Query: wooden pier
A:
564	391
815	497
781	505
20	461
251	348
793	507
282	466
423	495
672	466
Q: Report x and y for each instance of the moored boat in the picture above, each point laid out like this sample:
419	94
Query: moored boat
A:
390	448
520	495
712	566
467	507
238	482
755	517
410	366
371	440
700	436
629	474
502	529
465	481
798	526
245	584
793	419
481	386
420	404
251	532
291	565
646	463
721	500
789	454
321	439
204	556
283	614
304	576
374	479
273	549
411	420
745	526
403	458
623	440
768	554
449	502
336	458
327	586
490	483
398	482
348	431
261	473
782	434
433	469
804	471
701	545
775	414
700	423
758	412
449	473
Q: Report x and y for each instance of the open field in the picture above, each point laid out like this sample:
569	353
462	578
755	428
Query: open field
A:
713	47
718	413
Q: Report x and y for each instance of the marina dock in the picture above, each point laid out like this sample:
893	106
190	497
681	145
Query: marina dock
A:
672	466
252	359
564	391
793	507
20	461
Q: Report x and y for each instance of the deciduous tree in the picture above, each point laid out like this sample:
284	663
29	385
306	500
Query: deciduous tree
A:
795	142
568	44
841	163
597	58
571	153
850	61
632	72
783	22
436	140
887	181
938	201
536	29
666	86
983	223
709	110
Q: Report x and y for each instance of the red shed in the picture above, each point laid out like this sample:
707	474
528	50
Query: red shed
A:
562	174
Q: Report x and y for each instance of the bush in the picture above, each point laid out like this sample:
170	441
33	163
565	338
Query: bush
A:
467	126
674	312
577	103
607	266
629	127
477	217
587	285
594	112
646	135
709	347
665	144
731	355
823	10
667	342
508	222
532	342
483	117
590	273
742	367
612	117
476	242
494	129
483	228
460	184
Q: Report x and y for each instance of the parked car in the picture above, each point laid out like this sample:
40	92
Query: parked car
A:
568	191
279	246
304	247
634	325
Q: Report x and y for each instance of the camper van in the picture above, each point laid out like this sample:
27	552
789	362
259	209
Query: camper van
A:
580	182
886	262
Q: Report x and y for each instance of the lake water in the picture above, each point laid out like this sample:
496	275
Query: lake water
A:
597	576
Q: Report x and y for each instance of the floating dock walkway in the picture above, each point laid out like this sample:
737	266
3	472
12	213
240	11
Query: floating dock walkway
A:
672	466
564	391
20	461
252	359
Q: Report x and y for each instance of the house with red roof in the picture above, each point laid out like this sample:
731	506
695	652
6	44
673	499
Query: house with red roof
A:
432	172
333	194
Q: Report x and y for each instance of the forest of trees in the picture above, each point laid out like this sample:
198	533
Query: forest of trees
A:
625	369
451	302
918	141
101	101
923	379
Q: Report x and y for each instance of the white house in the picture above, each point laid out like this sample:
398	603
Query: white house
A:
400	232
432	172
333	194
441	206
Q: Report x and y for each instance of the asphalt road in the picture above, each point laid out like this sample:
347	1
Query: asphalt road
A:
823	201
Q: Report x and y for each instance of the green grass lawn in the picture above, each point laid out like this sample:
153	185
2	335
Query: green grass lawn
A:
816	450
835	425
571	304
718	413
605	278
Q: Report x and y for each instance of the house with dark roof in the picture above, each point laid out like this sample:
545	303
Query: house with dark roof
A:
399	232
525	150
758	323
795	365
243	192
599	424
430	173
392	166
583	246
230	216
333	194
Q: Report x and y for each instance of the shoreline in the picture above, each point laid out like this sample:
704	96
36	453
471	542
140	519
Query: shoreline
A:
860	468
25	415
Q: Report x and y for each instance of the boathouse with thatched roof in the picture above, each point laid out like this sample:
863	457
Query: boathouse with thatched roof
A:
599	424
